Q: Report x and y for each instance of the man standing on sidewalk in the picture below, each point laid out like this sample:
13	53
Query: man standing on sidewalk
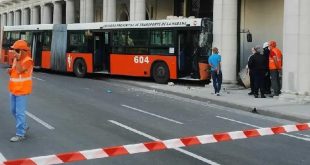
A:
257	63
20	86
275	67
266	53
216	73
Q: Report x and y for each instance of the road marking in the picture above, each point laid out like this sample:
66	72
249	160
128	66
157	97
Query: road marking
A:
2	158
38	78
156	139
40	121
255	126
303	135
152	114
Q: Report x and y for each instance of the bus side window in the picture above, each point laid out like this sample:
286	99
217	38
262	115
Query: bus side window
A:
6	41
47	41
161	42
76	42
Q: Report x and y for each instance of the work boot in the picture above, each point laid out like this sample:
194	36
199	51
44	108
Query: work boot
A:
17	138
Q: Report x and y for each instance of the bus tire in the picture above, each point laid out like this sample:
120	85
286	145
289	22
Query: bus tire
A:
80	68
160	72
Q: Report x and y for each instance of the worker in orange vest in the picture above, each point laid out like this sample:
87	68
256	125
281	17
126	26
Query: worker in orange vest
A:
20	86
275	67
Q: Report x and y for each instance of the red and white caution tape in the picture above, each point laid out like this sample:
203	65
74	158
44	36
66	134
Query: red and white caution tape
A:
155	145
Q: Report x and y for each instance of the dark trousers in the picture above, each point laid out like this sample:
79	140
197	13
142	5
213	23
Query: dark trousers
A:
251	80
259	81
275	82
267	82
217	81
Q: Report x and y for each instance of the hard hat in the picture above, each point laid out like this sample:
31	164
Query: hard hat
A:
266	44
20	44
273	44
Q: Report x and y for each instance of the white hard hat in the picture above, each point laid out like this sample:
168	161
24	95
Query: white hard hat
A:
266	44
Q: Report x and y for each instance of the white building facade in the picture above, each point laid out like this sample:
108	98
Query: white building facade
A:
286	21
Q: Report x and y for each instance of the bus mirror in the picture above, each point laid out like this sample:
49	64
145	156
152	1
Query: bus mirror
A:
249	37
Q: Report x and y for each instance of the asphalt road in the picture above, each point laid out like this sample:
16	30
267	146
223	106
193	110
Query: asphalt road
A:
71	114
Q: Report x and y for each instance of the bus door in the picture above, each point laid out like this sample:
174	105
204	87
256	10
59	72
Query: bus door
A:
98	51
184	54
101	52
187	57
37	44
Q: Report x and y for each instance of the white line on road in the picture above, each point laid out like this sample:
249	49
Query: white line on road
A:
152	114
2	158
156	139
38	78
303	135
255	126
40	121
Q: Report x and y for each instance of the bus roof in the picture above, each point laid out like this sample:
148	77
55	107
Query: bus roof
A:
196	22
35	27
184	22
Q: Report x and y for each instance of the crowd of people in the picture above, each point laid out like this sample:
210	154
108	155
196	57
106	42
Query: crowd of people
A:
264	70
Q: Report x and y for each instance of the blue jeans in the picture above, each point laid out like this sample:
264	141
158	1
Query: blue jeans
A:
217	81
18	109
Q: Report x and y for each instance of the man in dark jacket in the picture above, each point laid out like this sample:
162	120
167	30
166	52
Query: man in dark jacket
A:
266	52
257	63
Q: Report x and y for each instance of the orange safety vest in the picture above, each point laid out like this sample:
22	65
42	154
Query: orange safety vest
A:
21	83
275	52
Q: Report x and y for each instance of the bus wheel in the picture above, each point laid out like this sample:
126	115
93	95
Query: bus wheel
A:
160	72
79	68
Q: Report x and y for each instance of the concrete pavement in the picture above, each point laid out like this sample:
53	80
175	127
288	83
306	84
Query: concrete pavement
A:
237	97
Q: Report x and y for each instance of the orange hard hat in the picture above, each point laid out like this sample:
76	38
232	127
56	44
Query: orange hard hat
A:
273	44
20	44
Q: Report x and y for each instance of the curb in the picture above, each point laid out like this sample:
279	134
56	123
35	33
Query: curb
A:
261	111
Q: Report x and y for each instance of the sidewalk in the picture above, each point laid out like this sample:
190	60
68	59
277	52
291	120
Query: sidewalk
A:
237	97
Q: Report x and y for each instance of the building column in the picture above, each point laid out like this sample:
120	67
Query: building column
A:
225	14
46	14
26	16
296	57
10	19
3	19
35	15
17	19
57	15
109	10
70	11
137	10
23	11
86	11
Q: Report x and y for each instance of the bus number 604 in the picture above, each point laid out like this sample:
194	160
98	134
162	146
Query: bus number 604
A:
141	59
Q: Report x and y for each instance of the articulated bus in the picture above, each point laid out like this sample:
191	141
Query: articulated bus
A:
161	49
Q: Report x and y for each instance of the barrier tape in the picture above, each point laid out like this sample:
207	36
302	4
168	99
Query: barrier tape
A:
155	145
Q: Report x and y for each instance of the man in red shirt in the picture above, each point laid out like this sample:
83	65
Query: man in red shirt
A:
275	67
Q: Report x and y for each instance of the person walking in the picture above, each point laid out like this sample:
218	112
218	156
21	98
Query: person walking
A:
20	86
257	63
216	73
275	67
